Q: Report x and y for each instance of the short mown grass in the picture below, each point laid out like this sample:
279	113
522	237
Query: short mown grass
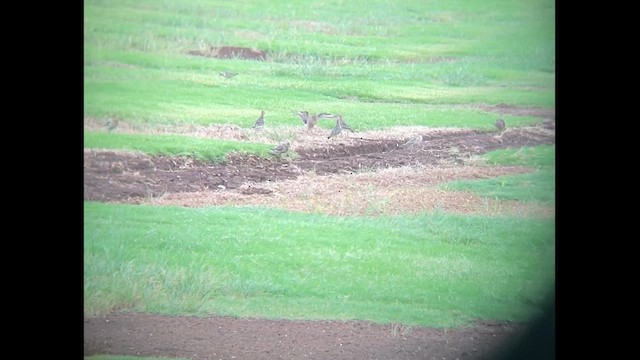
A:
539	185
175	145
534	156
535	186
377	63
430	270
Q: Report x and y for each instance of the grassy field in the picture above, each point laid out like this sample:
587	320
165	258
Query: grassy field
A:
536	186
381	64
432	269
175	145
378	64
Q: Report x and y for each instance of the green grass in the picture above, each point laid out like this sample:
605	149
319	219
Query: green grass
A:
535	156
430	270
380	64
539	185
404	62
535	186
176	145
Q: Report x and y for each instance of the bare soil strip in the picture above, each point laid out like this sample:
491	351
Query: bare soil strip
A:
222	337
369	173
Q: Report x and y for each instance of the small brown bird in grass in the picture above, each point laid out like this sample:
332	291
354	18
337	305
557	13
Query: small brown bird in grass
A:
260	122
228	74
415	141
500	124
111	124
280	149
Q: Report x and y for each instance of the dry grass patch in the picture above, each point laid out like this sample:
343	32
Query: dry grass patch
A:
385	192
215	131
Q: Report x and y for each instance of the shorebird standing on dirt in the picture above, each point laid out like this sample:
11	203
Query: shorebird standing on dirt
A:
304	115
280	149
228	74
415	141
343	124
336	130
312	120
260	122
501	127
111	124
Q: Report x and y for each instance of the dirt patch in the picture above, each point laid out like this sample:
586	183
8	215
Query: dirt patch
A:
386	192
114	176
187	337
135	177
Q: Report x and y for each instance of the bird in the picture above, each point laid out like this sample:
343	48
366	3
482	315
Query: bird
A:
228	74
500	124
111	124
311	120
304	115
336	130
325	116
280	149
311	123
415	141
343	124
260	122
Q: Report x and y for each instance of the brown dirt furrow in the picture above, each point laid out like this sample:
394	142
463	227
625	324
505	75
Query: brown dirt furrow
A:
127	176
230	338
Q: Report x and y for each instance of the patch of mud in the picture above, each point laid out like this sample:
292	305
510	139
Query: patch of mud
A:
131	176
356	152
